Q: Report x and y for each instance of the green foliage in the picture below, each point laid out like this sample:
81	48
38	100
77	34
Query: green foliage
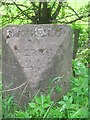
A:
79	68
83	36
40	106
83	43
85	53
73	105
56	87
9	107
37	108
24	12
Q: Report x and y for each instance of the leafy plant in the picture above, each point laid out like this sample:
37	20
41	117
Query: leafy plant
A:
73	105
37	108
8	107
79	68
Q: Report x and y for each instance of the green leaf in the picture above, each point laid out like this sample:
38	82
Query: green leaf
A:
20	114
70	99
75	115
38	100
77	90
42	99
65	98
26	114
46	105
61	102
32	105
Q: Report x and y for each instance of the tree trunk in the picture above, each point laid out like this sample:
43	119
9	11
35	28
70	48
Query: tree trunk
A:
76	39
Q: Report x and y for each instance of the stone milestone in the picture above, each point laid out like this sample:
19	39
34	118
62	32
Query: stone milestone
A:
35	58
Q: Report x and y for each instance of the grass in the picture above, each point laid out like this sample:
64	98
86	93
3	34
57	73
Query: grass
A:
73	105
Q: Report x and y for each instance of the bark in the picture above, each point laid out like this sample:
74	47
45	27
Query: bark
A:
76	39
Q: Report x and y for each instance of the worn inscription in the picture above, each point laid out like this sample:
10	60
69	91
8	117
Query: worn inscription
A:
35	32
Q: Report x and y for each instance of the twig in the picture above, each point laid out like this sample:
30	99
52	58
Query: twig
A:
5	3
23	92
78	19
57	11
73	10
21	10
14	88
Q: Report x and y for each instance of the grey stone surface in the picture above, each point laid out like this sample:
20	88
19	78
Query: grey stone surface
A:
32	56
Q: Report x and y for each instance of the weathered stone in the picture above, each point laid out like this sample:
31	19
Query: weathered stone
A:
33	55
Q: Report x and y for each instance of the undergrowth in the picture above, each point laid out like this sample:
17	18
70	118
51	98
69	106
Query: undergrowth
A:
73	105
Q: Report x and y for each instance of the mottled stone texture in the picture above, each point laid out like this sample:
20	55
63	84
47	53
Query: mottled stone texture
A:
33	55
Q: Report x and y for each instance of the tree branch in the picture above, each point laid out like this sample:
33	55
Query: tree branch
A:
24	13
34	7
76	39
53	5
5	3
73	10
78	19
57	11
18	15
39	10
